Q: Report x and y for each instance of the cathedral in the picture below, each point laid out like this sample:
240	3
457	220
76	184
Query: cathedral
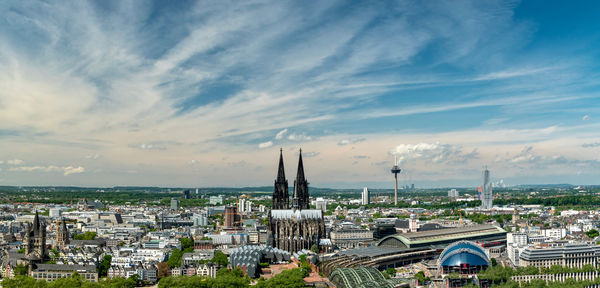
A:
299	227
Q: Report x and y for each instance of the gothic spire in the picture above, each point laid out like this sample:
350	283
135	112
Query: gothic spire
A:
36	222
281	171
300	174
280	193
300	200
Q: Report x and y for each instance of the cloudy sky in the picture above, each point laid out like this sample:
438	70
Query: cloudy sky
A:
205	93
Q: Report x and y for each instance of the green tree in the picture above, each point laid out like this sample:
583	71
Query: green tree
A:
175	258
187	244
391	271
314	248
592	233
21	270
104	265
494	262
220	258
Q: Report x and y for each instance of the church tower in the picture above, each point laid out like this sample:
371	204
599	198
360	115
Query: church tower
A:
36	239
62	234
300	200
281	197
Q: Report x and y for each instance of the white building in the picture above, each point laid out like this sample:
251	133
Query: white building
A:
321	203
366	196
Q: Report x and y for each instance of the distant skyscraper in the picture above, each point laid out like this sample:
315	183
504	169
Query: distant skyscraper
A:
242	205
174	204
365	196
486	191
321	204
453	194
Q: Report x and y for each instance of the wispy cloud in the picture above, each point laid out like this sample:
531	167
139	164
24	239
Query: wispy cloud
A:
265	144
15	162
281	134
66	170
350	141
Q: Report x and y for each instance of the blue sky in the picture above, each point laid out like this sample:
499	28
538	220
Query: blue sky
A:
204	93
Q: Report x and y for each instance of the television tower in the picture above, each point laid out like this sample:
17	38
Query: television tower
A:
395	170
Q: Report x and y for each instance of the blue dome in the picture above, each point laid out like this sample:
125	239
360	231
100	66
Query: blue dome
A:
465	258
462	245
463	252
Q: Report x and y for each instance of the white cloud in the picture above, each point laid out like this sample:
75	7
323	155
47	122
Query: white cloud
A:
299	137
265	144
590	145
67	170
149	146
15	162
434	152
281	133
73	170
93	156
310	154
585	118
350	141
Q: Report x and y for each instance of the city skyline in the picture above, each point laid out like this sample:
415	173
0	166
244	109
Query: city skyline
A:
191	93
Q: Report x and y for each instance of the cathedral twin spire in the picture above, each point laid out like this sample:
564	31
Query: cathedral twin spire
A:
281	194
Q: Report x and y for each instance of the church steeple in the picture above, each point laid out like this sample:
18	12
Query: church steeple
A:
280	193
300	200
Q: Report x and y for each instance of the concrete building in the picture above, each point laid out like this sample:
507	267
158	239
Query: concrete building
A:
366	195
174	204
572	255
215	200
51	272
351	237
486	191
321	204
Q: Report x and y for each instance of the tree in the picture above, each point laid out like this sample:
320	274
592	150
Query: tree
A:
494	262
292	278
220	258
592	233
314	248
175	258
54	254
104	265
187	244
21	270
86	236
163	270
391	271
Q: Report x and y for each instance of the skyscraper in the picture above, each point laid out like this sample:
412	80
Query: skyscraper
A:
365	196
486	191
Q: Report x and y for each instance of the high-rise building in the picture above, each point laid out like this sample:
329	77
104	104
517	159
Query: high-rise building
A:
174	204
366	196
232	218
321	204
486	191
452	193
242	205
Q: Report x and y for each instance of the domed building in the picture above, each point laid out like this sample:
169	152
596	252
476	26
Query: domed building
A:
463	257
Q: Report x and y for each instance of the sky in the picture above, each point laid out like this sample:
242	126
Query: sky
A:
205	93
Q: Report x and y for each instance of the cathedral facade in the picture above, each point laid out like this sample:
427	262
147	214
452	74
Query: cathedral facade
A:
297	227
